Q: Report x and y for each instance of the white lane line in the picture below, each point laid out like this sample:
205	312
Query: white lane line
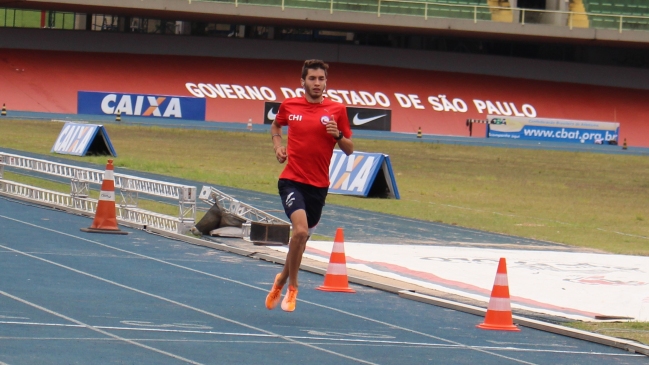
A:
97	329
262	289
45	324
187	306
330	341
12	317
624	234
140	329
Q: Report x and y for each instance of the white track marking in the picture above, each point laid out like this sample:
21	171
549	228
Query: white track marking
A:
254	287
184	306
97	329
264	290
330	340
624	234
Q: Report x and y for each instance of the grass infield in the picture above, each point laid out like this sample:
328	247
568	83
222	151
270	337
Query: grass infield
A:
583	199
591	200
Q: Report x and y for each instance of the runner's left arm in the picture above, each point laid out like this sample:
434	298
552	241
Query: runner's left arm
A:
345	144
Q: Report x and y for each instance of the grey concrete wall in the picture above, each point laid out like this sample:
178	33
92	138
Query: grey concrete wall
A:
345	20
82	41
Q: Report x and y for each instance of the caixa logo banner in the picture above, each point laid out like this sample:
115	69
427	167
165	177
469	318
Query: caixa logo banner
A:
80	139
359	118
161	106
361	173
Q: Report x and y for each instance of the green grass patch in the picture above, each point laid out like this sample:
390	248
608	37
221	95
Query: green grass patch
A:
576	198
636	331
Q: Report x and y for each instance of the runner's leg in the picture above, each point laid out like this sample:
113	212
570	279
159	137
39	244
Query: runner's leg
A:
296	248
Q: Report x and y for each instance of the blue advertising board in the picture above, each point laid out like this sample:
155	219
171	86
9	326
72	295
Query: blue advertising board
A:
363	174
80	139
160	106
558	130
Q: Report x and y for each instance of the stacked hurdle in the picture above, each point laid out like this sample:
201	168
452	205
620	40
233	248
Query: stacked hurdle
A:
78	200
469	123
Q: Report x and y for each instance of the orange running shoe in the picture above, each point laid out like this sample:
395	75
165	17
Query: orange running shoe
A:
288	304
275	294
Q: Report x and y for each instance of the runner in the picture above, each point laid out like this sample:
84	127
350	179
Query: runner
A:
316	124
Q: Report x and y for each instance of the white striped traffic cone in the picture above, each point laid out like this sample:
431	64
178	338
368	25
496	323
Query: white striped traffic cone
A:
105	218
336	276
499	311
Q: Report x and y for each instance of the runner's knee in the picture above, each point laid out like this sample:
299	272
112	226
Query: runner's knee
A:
300	234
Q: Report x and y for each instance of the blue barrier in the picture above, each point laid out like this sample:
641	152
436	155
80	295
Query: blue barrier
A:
363	174
80	139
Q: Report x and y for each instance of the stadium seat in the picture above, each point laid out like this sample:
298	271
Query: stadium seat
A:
442	8
490	10
20	18
619	7
439	8
17	18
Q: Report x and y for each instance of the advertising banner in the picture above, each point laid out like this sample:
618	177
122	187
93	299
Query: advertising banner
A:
80	139
370	118
359	118
270	111
558	130
435	101
363	174
162	106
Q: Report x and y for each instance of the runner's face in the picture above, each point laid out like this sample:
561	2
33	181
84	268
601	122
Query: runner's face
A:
314	83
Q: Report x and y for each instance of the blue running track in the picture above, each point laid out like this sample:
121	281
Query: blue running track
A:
69	297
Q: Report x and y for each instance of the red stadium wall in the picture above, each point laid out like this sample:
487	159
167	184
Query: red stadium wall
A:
48	81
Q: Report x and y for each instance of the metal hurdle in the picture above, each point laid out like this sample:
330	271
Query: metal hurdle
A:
79	201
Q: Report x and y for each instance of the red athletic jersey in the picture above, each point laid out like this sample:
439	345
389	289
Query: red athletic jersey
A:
309	146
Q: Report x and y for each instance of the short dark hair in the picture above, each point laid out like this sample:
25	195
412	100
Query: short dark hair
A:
314	65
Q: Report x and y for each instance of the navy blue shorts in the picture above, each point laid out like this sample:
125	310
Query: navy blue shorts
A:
297	196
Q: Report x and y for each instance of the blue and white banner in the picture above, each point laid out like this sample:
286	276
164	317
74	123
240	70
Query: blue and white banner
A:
363	174
79	139
559	130
161	106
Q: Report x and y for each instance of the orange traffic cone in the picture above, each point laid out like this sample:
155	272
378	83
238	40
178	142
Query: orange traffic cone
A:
336	276
105	218
499	311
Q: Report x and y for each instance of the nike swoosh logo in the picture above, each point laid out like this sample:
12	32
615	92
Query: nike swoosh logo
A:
271	115
361	121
